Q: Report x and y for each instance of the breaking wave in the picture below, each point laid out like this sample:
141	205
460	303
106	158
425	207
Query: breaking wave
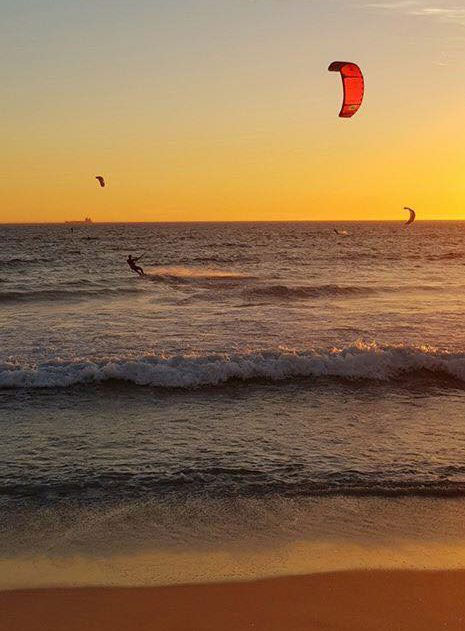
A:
360	361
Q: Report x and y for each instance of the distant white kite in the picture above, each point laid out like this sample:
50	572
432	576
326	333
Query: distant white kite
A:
411	219
100	180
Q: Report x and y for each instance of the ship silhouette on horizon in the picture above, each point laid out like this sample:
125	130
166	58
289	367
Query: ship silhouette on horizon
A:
87	220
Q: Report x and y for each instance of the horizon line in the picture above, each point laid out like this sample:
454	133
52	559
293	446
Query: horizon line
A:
226	221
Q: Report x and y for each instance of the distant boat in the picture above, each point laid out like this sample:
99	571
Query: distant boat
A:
87	220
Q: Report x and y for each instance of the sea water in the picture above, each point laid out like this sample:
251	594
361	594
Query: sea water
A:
264	384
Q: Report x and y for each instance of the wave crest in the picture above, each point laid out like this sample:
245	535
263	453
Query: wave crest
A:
307	291
367	361
19	262
64	294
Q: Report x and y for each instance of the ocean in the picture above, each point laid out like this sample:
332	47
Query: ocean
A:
264	384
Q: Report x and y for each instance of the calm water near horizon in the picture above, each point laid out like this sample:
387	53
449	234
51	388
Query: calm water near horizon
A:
265	382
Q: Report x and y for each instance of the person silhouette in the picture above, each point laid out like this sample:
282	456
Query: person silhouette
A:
131	261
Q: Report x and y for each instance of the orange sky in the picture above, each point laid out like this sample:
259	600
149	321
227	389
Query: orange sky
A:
215	110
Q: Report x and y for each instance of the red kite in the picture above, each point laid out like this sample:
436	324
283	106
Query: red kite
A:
352	82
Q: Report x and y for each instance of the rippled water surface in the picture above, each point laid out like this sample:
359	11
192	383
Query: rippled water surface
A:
254	365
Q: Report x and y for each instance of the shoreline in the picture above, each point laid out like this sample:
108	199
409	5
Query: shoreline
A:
355	599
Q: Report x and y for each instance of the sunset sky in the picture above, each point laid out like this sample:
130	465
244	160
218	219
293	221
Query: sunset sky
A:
225	110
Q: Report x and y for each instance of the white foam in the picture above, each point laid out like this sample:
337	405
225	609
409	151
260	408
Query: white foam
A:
359	361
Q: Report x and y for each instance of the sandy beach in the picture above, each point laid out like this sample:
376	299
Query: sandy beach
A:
369	600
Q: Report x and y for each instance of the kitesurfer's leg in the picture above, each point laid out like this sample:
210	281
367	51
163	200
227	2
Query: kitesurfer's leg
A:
139	270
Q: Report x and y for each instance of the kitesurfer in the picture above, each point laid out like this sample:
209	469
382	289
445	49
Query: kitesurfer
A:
132	264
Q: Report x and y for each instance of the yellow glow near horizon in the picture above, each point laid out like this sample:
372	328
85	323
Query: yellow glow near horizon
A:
204	112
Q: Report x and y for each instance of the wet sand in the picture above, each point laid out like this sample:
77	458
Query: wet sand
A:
375	600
